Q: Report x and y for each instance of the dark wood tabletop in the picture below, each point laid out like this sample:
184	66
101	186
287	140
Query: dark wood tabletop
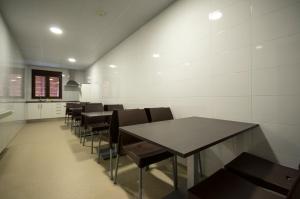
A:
97	114
187	136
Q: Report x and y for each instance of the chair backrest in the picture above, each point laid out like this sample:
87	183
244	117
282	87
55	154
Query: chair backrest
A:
111	107
126	118
159	114
71	105
295	191
93	107
76	113
114	127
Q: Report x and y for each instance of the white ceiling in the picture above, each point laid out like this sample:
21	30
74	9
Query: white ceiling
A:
87	36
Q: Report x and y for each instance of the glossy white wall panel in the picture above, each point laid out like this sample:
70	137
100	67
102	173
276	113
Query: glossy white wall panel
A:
280	52
231	61
11	63
261	7
233	108
234	14
282	80
213	69
231	39
280	23
231	84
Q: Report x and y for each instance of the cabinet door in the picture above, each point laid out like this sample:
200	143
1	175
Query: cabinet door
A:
48	110
33	111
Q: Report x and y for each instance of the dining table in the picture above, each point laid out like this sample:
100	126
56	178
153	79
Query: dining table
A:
187	137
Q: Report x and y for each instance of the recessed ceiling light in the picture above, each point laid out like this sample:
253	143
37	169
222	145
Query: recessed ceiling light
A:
13	80
215	15
19	77
51	79
56	30
113	66
72	60
63	75
156	55
259	47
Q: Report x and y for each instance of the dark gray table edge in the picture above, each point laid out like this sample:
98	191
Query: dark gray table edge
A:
194	151
108	115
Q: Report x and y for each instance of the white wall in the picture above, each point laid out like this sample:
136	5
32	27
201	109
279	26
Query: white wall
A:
242	67
10	59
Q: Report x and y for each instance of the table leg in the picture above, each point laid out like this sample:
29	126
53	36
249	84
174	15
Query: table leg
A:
194	170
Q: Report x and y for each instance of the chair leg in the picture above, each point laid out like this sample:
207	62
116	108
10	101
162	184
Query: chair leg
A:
116	170
71	125
147	168
140	183
79	133
92	150
84	134
99	146
175	176
110	163
200	169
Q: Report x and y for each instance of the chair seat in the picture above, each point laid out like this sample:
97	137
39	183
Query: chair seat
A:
98	126
144	153
226	185
264	173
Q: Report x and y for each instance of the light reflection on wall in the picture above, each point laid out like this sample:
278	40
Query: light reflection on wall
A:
12	100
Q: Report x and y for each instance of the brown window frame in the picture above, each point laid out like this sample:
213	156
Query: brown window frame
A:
47	75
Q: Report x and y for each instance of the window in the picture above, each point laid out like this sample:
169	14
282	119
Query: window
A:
46	84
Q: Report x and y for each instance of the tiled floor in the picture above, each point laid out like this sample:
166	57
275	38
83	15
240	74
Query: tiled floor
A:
46	161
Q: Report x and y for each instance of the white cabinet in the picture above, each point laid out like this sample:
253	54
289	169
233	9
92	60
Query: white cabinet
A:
33	111
45	110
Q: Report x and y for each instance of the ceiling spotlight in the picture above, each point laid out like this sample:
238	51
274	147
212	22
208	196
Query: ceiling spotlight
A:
156	55
72	60
113	66
215	15
19	77
56	30
259	47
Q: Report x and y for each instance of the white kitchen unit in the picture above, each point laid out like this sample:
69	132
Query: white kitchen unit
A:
45	110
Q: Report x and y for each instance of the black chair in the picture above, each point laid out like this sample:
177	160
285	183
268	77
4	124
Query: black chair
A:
68	113
112	131
264	173
111	107
97	126
226	185
113	137
93	126
142	153
93	107
76	119
159	114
